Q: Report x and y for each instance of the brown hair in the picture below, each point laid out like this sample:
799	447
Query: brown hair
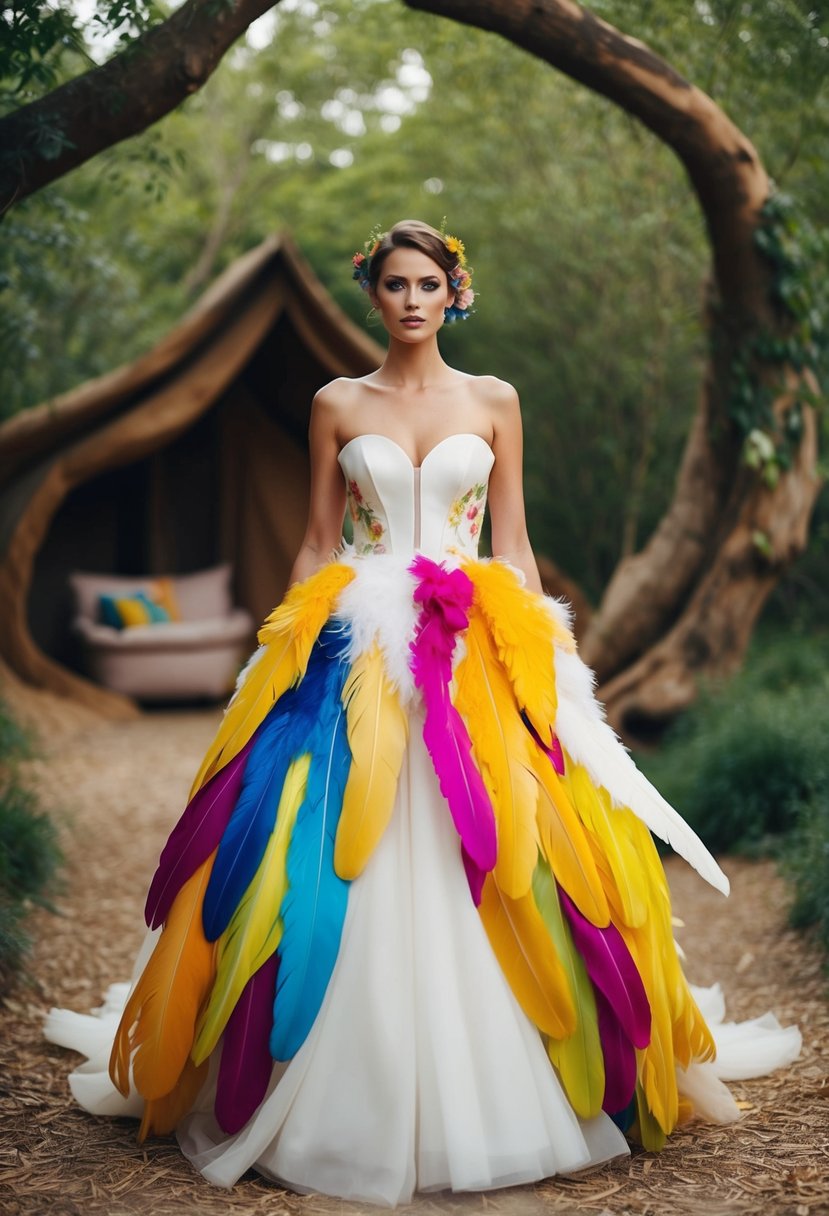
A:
412	234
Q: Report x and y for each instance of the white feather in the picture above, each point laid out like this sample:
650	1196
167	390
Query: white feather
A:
245	672
378	605
590	741
561	612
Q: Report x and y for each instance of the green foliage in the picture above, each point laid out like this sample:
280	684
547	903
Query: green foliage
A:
742	763
28	848
29	851
588	247
807	864
748	766
798	252
35	38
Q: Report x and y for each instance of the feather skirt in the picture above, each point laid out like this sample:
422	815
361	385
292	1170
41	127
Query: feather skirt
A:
413	917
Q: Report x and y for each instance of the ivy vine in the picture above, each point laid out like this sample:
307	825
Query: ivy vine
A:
799	255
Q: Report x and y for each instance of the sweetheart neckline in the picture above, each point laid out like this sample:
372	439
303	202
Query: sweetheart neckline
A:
416	467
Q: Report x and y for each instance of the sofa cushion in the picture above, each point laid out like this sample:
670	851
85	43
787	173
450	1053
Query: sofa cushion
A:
127	611
201	596
205	594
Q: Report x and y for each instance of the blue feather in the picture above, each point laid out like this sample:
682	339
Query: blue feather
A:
313	909
282	736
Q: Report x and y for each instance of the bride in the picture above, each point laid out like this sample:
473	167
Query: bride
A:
411	931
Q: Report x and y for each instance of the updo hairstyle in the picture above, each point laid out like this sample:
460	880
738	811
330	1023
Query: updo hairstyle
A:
412	234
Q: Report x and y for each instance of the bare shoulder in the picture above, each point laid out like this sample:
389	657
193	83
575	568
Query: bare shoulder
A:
337	393
495	392
500	401
333	404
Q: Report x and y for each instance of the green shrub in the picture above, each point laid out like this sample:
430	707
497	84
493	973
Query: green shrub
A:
807	864
29	852
748	766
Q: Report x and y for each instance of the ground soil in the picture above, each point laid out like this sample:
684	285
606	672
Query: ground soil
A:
115	790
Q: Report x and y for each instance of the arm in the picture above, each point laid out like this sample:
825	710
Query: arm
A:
506	488
323	531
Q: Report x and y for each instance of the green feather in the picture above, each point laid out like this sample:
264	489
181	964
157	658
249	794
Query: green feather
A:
579	1058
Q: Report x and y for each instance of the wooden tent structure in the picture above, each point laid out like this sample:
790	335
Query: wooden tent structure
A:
192	454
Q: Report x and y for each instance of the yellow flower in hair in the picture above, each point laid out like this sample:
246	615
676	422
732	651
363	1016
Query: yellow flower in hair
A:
454	245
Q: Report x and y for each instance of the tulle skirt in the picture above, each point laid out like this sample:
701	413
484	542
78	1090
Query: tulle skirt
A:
421	1071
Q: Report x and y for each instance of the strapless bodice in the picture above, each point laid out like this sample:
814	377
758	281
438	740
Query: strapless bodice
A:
436	508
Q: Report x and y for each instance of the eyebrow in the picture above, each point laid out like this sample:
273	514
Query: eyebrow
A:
403	279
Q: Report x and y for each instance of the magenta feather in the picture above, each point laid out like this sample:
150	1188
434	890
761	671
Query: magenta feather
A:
555	753
246	1063
195	836
552	750
619	1058
444	597
612	972
475	876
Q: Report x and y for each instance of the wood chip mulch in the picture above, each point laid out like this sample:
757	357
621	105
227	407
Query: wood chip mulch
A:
116	788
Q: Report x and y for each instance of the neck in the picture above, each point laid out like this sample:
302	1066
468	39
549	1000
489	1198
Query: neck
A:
413	366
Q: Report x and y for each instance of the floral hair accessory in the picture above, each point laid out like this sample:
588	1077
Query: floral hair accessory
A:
460	276
362	261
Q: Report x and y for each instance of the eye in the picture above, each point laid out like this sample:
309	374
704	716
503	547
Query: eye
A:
431	285
394	284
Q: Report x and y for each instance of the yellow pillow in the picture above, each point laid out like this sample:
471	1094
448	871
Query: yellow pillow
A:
164	594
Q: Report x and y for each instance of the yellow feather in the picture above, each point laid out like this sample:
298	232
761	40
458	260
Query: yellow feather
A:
522	945
692	1039
608	840
289	634
377	729
255	929
162	1115
159	1019
565	846
502	747
524	635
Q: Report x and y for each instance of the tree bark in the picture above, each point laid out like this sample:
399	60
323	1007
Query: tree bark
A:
121	97
686	604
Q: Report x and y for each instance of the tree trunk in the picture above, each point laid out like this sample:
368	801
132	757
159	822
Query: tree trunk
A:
47	138
685	606
687	603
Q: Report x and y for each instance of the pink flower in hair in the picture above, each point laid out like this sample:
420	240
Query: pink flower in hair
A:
465	298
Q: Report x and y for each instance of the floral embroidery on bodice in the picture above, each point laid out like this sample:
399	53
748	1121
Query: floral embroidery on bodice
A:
435	509
368	528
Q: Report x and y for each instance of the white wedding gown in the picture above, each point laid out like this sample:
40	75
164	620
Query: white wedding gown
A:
421	1070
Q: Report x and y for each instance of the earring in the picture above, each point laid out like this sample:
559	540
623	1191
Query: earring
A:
372	315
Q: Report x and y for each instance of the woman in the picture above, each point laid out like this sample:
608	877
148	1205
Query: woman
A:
415	931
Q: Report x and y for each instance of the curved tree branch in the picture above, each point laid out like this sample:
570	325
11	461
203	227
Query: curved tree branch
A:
721	161
121	97
651	590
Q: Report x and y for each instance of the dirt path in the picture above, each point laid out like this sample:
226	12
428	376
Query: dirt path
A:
118	788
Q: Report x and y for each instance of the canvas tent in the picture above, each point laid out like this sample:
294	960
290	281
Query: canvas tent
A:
194	453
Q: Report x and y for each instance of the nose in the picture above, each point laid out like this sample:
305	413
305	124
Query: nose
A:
411	296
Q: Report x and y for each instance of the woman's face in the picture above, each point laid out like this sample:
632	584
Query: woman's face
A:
411	294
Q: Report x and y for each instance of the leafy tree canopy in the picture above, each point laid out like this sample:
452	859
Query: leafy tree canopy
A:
335	114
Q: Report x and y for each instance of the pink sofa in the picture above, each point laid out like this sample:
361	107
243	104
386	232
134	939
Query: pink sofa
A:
196	656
